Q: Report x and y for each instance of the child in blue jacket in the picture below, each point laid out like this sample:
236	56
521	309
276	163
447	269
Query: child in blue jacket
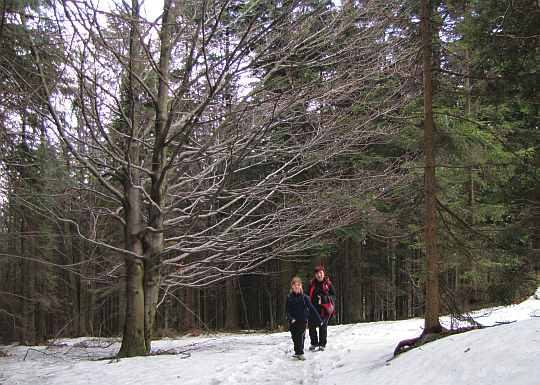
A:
296	308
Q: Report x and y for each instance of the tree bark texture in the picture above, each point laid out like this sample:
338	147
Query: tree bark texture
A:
432	324
353	311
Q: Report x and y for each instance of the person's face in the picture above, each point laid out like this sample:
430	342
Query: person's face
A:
319	275
297	287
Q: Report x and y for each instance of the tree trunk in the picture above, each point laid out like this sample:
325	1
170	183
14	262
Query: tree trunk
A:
432	324
74	281
143	278
83	308
219	307
27	284
134	342
231	314
152	283
287	279
392	302
271	304
188	317
353	288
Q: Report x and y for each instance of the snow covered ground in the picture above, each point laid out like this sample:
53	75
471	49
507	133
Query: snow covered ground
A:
360	353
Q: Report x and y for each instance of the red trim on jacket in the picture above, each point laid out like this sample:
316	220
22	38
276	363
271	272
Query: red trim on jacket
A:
325	287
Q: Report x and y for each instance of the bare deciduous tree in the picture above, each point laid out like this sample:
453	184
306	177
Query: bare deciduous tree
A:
214	132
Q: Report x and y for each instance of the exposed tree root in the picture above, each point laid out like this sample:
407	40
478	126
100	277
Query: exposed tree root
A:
424	338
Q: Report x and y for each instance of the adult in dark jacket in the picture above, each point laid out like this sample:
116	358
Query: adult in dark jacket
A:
321	293
296	310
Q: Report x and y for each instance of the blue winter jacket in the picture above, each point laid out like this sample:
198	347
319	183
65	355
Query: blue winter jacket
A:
296	306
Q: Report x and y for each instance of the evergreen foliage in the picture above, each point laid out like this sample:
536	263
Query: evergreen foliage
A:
321	164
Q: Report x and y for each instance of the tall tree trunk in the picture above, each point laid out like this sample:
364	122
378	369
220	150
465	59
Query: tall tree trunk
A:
133	341
83	308
392	302
144	279
153	243
152	284
287	278
432	324
188	316
271	304
353	289
74	279
219	307
27	284
231	313
472	295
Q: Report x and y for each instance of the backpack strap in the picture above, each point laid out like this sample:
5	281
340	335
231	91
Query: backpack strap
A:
289	302
312	287
329	307
326	285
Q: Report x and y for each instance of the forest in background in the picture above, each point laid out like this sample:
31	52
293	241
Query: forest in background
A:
160	176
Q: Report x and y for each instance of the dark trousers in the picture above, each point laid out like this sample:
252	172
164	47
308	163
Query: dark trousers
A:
319	340
298	335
